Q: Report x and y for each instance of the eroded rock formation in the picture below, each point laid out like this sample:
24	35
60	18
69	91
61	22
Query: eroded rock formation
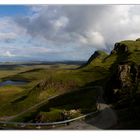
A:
120	48
124	81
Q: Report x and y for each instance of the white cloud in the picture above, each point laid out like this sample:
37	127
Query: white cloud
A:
94	25
10	30
7	24
8	54
60	23
8	36
83	29
90	38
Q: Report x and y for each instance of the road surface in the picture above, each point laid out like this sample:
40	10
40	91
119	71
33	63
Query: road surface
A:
104	120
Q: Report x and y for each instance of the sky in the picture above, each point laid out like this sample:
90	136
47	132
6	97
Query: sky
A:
60	32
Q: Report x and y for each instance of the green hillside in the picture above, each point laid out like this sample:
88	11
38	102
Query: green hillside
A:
63	89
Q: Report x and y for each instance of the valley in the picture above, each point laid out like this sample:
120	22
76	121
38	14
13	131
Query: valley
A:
46	93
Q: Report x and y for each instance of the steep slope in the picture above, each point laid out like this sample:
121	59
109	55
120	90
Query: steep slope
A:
118	73
122	82
98	55
95	59
125	70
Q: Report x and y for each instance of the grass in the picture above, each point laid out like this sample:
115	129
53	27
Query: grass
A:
25	97
71	85
7	93
132	45
52	116
62	79
83	100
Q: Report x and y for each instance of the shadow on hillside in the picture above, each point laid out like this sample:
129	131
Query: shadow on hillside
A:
32	70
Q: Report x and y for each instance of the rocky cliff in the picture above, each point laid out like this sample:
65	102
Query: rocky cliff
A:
124	77
123	82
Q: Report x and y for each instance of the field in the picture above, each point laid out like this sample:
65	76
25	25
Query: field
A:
50	91
45	93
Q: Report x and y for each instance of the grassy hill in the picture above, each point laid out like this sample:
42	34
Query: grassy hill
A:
69	89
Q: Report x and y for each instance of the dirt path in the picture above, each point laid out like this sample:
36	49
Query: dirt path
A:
104	120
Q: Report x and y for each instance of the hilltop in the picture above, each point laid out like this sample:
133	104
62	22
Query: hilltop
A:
122	87
123	66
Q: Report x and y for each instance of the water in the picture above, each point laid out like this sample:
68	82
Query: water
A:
11	82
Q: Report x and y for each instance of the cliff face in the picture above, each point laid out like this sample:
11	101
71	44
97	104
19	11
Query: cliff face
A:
124	81
120	48
124	78
127	74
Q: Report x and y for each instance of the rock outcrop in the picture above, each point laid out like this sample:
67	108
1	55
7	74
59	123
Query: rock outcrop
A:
59	85
123	82
119	48
124	75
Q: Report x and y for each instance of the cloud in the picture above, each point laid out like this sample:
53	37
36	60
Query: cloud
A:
8	36
96	25
8	54
63	30
91	38
10	30
64	24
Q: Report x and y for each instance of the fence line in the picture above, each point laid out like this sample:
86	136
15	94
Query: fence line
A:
51	123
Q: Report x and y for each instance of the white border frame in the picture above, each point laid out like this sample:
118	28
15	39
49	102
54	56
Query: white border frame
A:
69	135
69	2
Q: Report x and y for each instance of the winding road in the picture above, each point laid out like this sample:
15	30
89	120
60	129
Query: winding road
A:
104	120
